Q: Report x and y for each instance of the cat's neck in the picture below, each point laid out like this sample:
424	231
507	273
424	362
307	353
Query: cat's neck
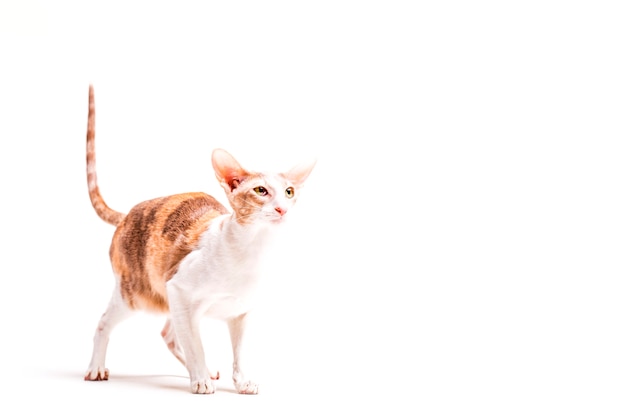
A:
248	235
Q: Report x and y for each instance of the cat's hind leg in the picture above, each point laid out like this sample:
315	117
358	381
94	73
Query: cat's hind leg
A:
116	312
170	339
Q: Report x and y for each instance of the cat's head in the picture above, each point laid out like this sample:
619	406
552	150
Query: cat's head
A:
258	197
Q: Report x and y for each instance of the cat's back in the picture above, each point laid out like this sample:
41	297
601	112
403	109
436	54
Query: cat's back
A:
152	240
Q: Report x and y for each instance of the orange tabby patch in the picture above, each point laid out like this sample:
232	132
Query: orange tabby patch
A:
153	238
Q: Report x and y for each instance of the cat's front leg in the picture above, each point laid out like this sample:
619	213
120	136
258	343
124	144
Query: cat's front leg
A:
185	319
237	328
116	312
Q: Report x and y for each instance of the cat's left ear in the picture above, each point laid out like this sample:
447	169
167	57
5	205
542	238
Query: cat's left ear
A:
227	170
298	174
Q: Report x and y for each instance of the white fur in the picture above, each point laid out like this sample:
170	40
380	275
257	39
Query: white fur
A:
218	280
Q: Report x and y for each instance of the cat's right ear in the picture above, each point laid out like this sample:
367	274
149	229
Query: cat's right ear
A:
227	170
300	172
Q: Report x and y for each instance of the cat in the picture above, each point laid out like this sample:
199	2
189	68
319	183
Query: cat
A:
189	257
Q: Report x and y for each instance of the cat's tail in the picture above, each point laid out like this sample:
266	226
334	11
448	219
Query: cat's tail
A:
104	212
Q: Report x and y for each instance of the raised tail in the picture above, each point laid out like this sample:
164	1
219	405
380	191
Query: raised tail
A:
104	212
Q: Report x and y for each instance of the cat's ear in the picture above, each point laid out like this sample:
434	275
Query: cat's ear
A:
298	174
227	170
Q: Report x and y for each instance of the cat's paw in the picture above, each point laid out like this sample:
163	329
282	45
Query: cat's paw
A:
247	387
202	386
97	374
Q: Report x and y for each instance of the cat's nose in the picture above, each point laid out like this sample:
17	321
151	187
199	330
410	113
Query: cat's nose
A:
280	211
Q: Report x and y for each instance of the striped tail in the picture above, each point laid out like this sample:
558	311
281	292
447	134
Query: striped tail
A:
104	212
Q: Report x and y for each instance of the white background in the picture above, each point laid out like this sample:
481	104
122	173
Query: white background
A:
458	250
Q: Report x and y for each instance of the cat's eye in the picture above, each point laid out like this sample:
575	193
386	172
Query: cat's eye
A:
290	192
260	191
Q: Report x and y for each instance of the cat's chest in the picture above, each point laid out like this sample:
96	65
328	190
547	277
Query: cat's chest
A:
231	257
223	273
